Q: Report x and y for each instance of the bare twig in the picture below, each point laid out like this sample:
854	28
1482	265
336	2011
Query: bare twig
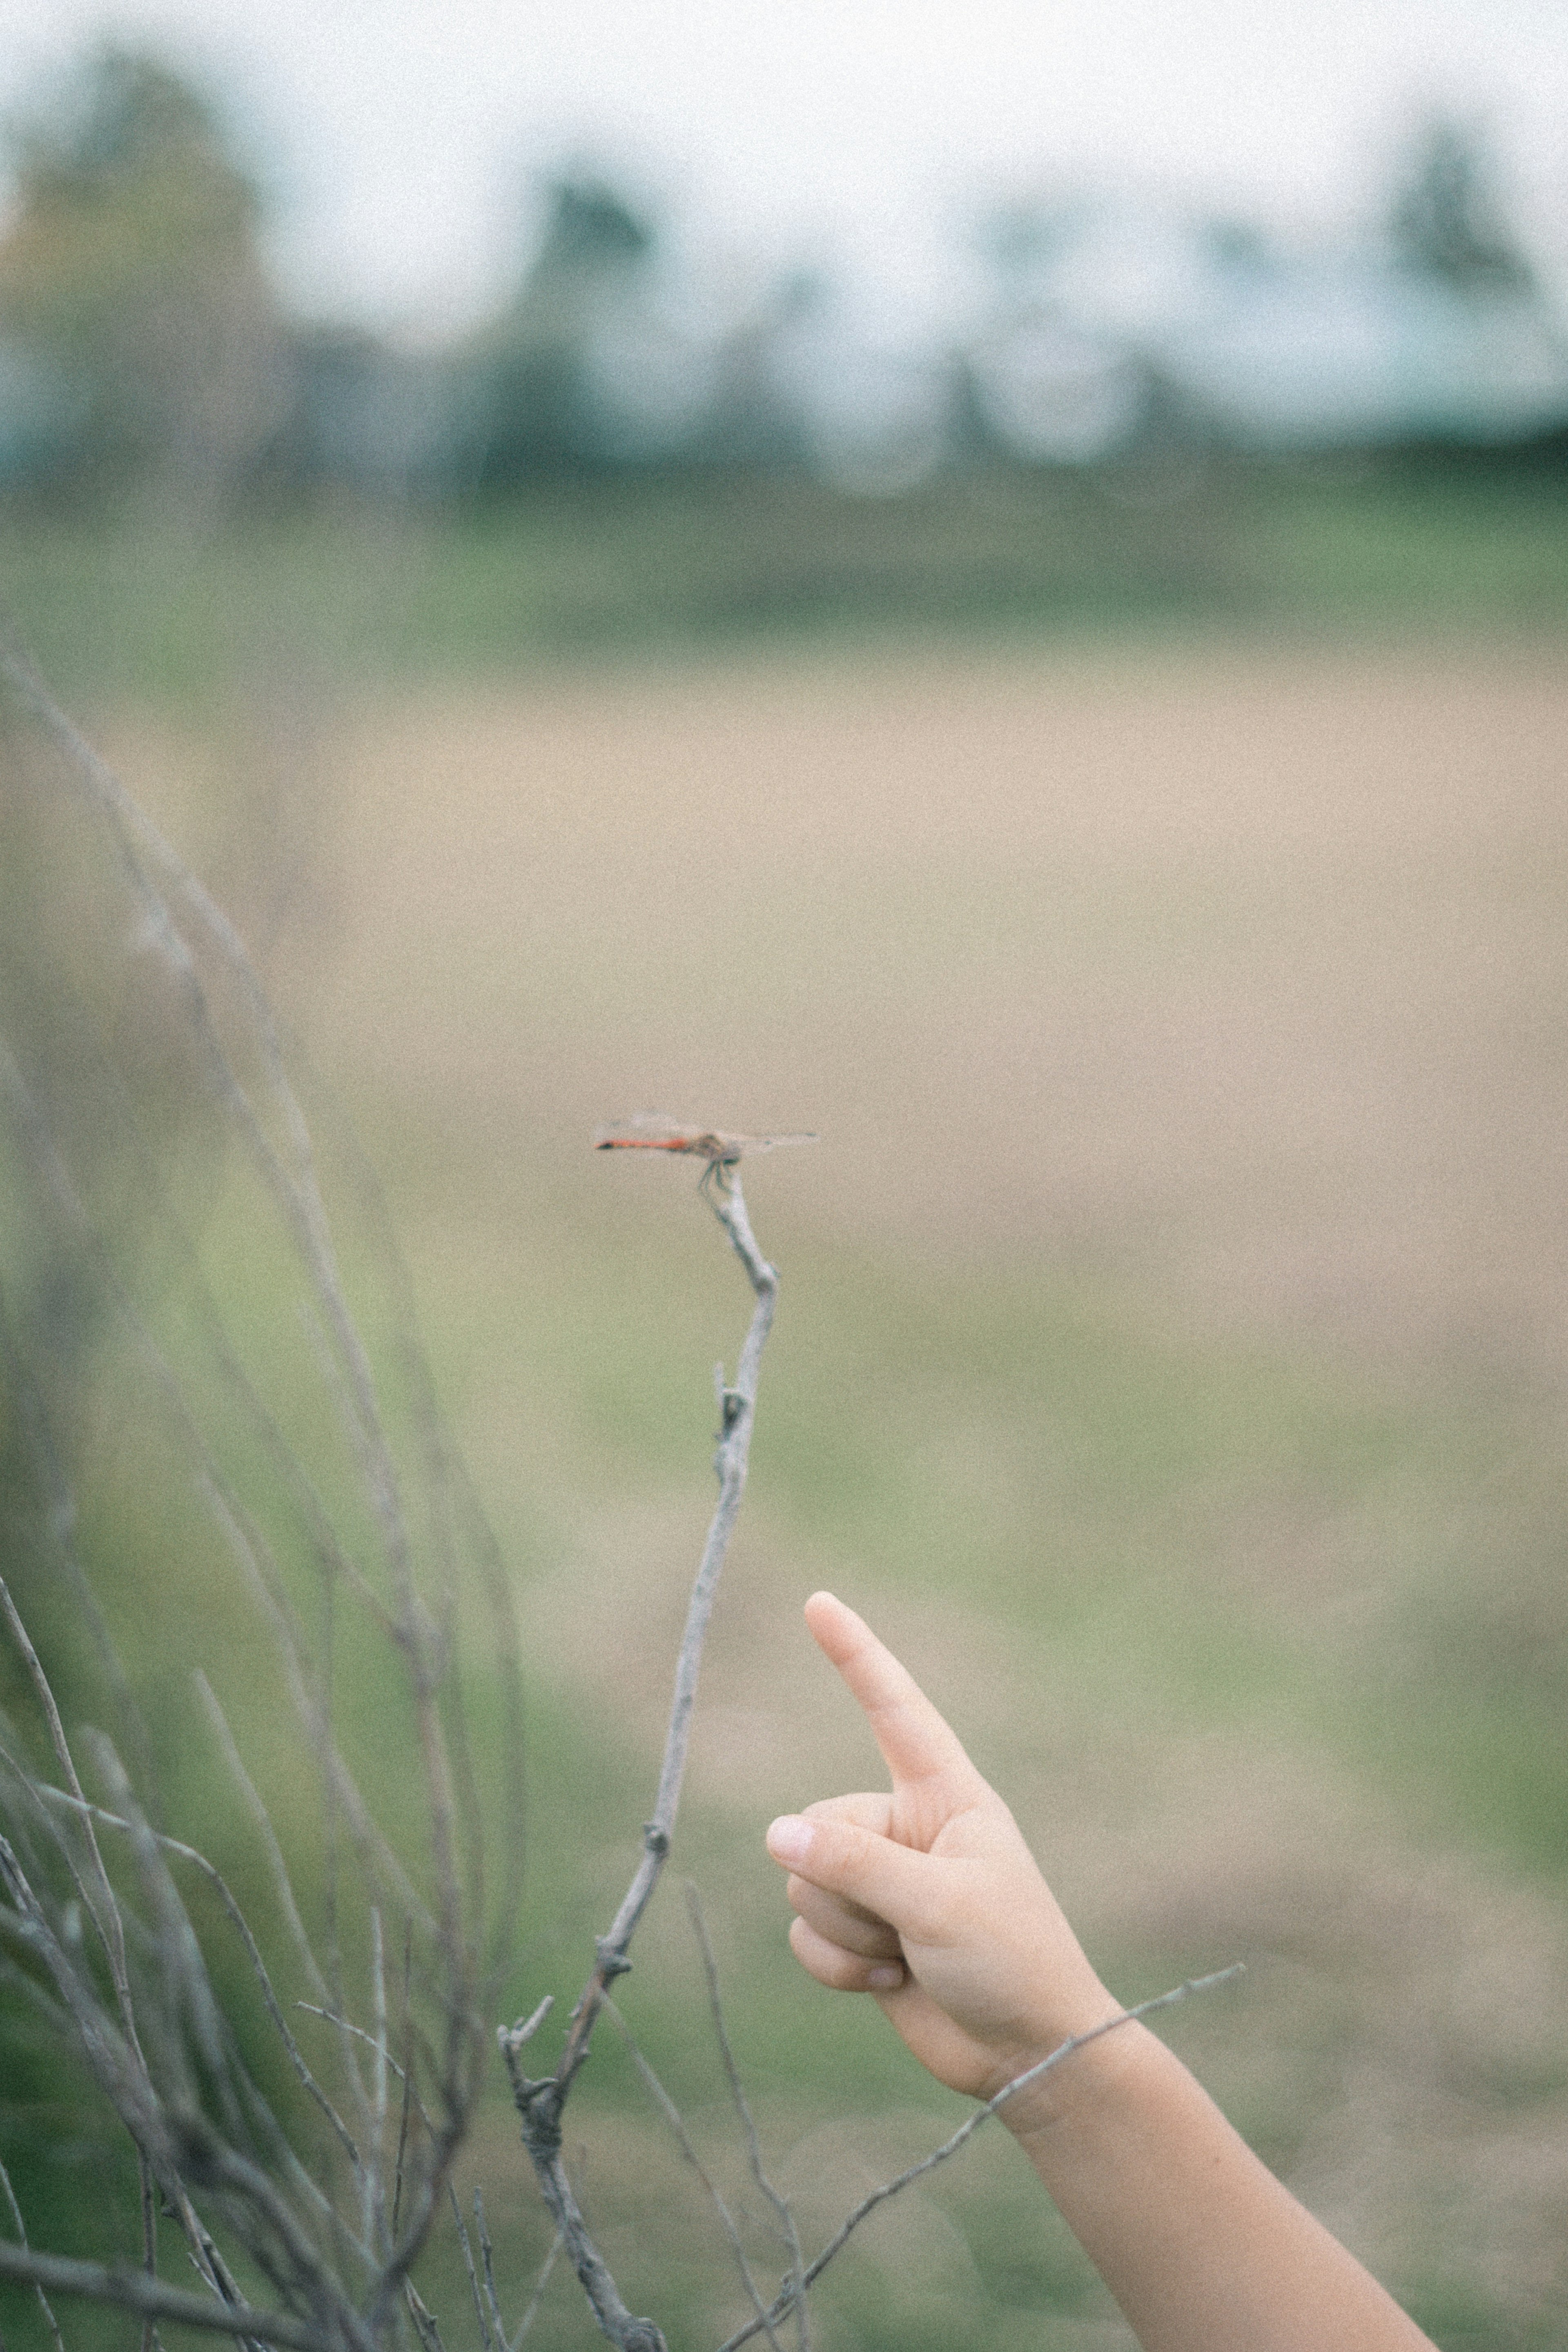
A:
242	1926
263	1819
480	2313
291	1178
538	2297
676	2122
966	2131
118	2062
375	2193
780	2204
424	2319
105	1912
488	2263
738	1408
138	2292
540	2101
44	2304
138	2003
604	2298
344	2025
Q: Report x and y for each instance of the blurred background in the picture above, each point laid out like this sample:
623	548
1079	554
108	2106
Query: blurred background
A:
993	585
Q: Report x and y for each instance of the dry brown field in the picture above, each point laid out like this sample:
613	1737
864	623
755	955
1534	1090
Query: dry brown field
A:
1244	974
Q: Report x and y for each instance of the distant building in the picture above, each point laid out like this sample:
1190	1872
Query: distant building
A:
1253	349
369	419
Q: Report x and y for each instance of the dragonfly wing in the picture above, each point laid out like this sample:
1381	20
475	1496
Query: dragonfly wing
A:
650	1131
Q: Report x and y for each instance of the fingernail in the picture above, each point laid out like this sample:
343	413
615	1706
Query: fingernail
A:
886	1980
789	1838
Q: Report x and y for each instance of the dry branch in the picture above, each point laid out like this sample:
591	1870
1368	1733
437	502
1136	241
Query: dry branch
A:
109	1960
540	2101
151	2299
782	2210
677	2123
538	2297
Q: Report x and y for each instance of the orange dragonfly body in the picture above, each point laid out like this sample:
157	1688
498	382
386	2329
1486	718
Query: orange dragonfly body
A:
650	1133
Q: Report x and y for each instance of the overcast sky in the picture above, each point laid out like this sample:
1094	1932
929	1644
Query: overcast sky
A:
400	135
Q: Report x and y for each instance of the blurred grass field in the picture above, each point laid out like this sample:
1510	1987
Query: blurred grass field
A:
177	604
1174	1335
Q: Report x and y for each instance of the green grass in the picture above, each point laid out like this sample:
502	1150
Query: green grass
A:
114	609
1077	1468
1079	1472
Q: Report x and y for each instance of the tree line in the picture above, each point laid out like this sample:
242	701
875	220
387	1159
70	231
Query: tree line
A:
144	345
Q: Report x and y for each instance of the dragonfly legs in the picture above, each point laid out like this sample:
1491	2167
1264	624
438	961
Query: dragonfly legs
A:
717	1178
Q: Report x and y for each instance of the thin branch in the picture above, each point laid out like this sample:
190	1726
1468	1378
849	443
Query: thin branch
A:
263	1821
143	852
248	1547
209	990
157	882
407	2074
676	2122
341	1787
172	2144
531	2314
424	2319
114	1947
185	1985
738	1407
113	1934
487	2262
59	1520
542	2140
253	2193
44	2304
375	2219
780	2204
346	2025
242	1926
540	2102
480	2314
966	2131
138	2292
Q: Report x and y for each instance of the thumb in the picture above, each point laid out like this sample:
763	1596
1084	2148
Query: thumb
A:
905	1888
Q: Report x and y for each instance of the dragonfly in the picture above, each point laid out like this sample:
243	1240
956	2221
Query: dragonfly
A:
649	1133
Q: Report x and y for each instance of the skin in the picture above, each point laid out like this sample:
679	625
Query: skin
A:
927	1898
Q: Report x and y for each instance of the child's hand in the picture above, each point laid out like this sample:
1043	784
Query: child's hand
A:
928	1898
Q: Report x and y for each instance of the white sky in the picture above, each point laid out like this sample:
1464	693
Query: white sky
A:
399	134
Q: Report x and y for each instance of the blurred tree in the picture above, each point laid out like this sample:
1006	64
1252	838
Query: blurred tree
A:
1021	237
1446	220
537	410
131	270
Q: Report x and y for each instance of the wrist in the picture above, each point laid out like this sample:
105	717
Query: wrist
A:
1085	2079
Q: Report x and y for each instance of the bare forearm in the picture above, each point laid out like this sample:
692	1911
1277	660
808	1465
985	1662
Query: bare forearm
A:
1203	2249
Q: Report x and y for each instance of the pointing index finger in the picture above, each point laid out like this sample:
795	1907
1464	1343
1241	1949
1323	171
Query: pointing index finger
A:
916	1742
